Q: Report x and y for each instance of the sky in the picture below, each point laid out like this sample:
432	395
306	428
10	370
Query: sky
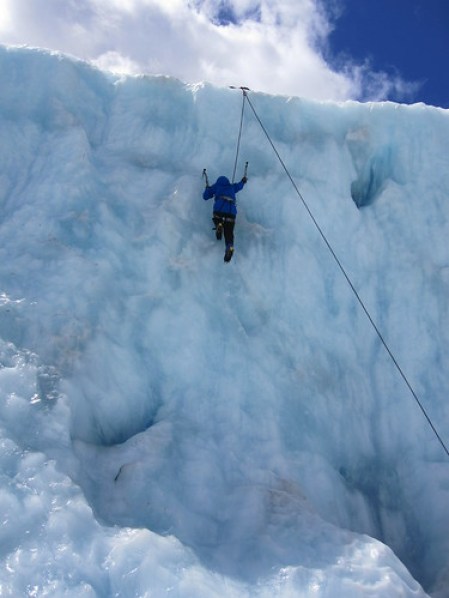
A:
320	49
409	38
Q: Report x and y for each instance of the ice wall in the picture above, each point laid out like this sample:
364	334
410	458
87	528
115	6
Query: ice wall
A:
173	424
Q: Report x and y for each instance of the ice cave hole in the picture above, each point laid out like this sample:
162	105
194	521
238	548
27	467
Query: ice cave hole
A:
373	172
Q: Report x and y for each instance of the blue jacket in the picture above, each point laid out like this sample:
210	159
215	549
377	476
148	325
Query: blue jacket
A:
224	193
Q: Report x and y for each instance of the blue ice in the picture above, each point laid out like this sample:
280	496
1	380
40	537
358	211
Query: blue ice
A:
171	425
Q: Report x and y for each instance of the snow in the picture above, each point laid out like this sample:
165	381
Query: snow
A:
174	426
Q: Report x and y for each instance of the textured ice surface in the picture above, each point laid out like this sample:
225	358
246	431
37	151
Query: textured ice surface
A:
170	425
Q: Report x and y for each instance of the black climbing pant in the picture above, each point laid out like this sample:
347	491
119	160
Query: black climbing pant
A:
228	222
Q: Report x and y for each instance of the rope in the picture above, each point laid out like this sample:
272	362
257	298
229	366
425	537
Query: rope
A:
348	280
239	135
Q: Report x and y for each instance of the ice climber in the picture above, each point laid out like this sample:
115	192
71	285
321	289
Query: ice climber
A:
225	210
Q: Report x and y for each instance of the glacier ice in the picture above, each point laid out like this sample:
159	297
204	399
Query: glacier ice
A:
173	426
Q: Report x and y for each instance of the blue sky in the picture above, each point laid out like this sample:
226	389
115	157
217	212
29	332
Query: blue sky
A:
319	49
410	37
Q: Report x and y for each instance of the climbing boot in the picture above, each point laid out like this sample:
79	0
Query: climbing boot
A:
228	254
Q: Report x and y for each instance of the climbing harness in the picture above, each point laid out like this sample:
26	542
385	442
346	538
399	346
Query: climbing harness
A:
246	98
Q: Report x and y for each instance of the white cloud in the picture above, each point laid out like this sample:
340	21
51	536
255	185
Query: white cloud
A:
6	21
269	45
115	62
